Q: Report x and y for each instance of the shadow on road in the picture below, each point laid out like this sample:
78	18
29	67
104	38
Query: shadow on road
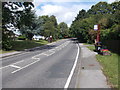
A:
44	47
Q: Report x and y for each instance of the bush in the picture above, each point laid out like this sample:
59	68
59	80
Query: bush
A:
22	37
6	45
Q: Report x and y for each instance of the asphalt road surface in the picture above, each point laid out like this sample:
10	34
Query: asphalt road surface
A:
51	66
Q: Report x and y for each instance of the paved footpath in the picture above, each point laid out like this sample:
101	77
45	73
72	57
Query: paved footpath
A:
90	75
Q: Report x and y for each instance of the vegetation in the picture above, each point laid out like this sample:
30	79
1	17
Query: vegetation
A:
28	24
107	15
2	51
25	44
110	67
92	48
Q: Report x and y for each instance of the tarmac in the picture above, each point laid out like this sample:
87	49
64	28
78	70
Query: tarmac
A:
90	75
19	52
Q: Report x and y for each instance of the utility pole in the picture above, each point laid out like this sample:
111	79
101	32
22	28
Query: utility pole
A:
98	33
97	28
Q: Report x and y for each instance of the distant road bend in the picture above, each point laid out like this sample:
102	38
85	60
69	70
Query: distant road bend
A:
51	66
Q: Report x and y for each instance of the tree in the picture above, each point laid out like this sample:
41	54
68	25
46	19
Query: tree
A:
12	12
48	26
27	22
63	28
107	15
82	14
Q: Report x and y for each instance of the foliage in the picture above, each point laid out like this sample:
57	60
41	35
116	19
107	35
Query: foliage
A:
107	15
50	27
6	42
26	44
21	16
110	68
22	37
63	30
12	14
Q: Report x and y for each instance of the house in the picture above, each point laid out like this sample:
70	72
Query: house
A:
38	37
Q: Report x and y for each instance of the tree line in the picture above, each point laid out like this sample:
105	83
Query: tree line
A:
21	16
107	15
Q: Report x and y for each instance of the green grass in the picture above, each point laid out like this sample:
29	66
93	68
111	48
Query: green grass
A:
87	44
91	47
25	44
2	51
110	67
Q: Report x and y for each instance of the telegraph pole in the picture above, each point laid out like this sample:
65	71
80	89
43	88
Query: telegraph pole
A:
97	28
98	33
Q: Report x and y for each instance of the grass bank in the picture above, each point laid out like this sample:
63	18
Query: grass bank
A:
2	51
24	44
110	67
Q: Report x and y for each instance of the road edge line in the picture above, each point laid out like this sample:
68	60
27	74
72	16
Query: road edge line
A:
73	69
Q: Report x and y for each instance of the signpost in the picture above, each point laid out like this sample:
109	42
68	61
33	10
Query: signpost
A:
97	40
97	28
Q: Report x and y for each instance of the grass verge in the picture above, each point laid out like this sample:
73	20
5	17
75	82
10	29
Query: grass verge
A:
24	44
110	67
21	45
2	51
92	48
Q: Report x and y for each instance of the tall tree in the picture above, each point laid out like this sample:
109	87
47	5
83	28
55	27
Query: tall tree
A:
107	15
11	15
63	28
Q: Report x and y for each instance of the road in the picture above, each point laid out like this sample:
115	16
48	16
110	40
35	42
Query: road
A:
52	66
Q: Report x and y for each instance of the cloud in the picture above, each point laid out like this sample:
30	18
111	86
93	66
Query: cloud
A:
68	0
65	12
111	1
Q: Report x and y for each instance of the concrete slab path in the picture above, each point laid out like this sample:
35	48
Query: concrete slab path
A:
90	75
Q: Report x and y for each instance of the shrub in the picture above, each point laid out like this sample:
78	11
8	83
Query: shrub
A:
6	45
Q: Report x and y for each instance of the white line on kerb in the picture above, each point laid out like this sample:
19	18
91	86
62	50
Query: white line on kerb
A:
72	71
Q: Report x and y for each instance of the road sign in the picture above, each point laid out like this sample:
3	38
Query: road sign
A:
95	27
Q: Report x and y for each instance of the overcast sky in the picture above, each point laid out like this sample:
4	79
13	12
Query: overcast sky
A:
64	10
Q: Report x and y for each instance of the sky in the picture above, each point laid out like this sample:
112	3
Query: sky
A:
64	10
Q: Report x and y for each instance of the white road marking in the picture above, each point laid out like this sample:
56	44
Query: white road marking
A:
11	64
4	67
72	71
15	66
49	53
45	54
34	57
18	62
25	66
52	52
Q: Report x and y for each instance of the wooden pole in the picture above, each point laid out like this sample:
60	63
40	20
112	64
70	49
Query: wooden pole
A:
98	33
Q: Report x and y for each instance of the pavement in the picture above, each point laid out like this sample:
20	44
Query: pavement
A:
49	66
90	74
